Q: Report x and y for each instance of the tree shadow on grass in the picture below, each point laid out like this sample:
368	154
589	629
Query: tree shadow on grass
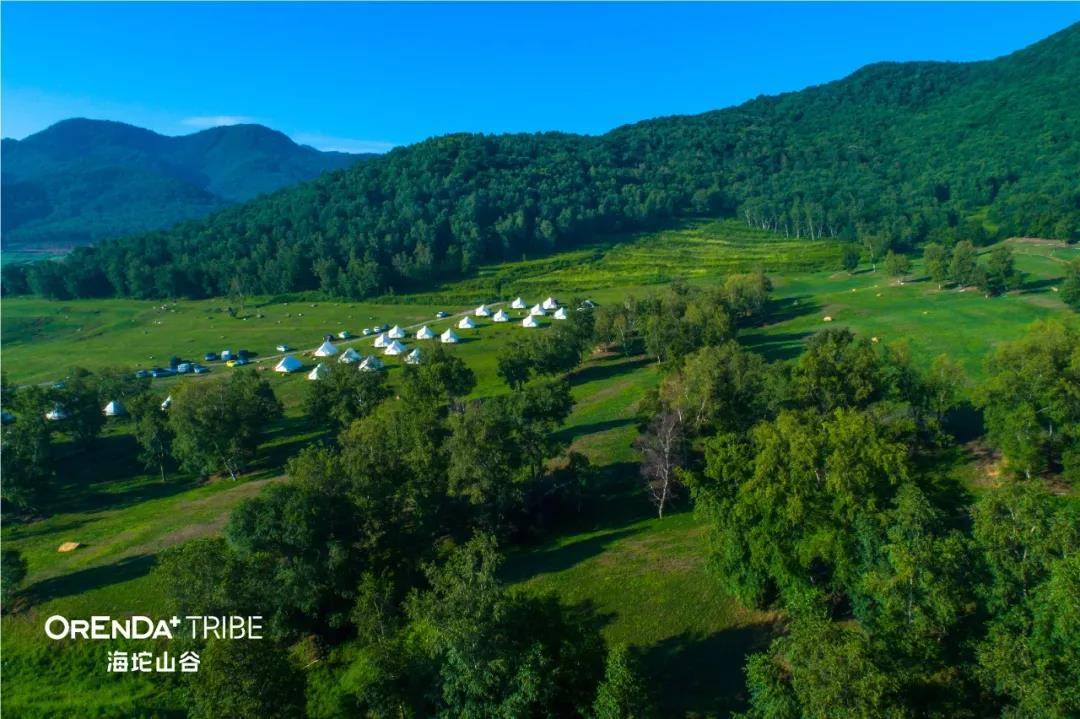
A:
789	308
605	369
526	565
703	676
577	431
782	346
1040	285
85	580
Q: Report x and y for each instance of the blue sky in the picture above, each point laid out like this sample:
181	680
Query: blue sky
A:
365	77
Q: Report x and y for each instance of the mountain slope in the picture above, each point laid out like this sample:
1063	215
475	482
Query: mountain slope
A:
904	153
82	180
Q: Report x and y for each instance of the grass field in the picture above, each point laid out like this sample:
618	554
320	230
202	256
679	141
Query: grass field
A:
644	577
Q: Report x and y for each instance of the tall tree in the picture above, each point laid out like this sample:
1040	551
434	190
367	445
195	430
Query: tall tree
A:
217	425
663	451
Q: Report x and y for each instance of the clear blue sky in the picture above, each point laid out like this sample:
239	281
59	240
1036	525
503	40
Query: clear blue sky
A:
366	77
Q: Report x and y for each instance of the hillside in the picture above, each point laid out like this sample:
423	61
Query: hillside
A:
893	155
80	180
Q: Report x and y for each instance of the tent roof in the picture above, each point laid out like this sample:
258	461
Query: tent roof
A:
326	349
289	363
449	336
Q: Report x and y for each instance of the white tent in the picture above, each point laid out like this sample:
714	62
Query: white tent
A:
501	316
425	333
114	409
289	363
380	341
551	304
166	403
530	321
518	304
350	356
482	311
396	333
560	314
538	311
413	357
371	364
56	414
394	348
319	372
326	349
344	334
466	324
448	337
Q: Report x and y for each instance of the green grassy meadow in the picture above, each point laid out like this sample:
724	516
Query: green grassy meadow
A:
644	577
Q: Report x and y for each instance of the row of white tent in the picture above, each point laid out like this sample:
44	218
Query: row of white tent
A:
549	304
114	408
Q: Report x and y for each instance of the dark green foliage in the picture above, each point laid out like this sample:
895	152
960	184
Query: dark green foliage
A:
80	180
344	395
822	669
964	265
152	431
217	426
440	378
79	396
555	352
622	693
246	678
1070	288
837	370
12	573
1031	400
916	581
1029	653
897	264
937	260
785	504
849	259
718	388
1000	274
496	653
893	155
26	450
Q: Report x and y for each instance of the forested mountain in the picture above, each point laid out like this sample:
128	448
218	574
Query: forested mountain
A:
896	153
84	180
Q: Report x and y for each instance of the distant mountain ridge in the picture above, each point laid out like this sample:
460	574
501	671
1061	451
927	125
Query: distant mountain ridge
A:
895	155
80	180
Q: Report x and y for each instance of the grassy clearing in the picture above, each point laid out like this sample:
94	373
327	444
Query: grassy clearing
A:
643	576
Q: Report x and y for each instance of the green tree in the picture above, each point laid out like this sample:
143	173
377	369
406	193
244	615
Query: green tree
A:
1001	274
784	508
344	395
514	363
12	573
151	431
441	377
246	678
964	264
26	454
1031	403
822	669
217	426
1028	655
849	258
1070	286
897	264
78	395
937	260
622	693
499	653
718	388
837	370
914	588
